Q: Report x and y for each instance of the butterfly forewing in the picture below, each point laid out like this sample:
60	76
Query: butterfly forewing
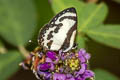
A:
60	32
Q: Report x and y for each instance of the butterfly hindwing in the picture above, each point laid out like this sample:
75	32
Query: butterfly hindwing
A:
60	32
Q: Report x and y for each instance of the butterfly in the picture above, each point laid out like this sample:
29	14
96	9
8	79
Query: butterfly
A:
60	32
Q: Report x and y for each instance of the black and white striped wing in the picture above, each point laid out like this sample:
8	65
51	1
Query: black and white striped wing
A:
60	32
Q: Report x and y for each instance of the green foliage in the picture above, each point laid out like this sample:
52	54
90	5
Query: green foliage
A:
81	41
9	64
59	5
17	20
104	75
106	34
92	15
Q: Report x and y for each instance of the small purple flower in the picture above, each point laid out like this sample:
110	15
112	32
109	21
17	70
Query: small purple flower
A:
51	55
49	60
62	55
83	56
46	75
81	71
58	76
64	66
44	66
69	77
88	74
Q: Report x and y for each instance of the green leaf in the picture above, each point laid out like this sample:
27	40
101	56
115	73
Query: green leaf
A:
89	14
17	20
59	5
106	34
81	42
92	15
104	75
43	16
9	64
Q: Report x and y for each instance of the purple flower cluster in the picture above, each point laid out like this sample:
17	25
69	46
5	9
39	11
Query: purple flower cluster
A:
65	66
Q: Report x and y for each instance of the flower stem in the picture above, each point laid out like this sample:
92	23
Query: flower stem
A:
23	51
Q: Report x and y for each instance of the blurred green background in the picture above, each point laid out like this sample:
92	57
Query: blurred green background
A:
98	32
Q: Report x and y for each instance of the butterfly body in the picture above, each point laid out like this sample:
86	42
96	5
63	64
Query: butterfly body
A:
60	32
